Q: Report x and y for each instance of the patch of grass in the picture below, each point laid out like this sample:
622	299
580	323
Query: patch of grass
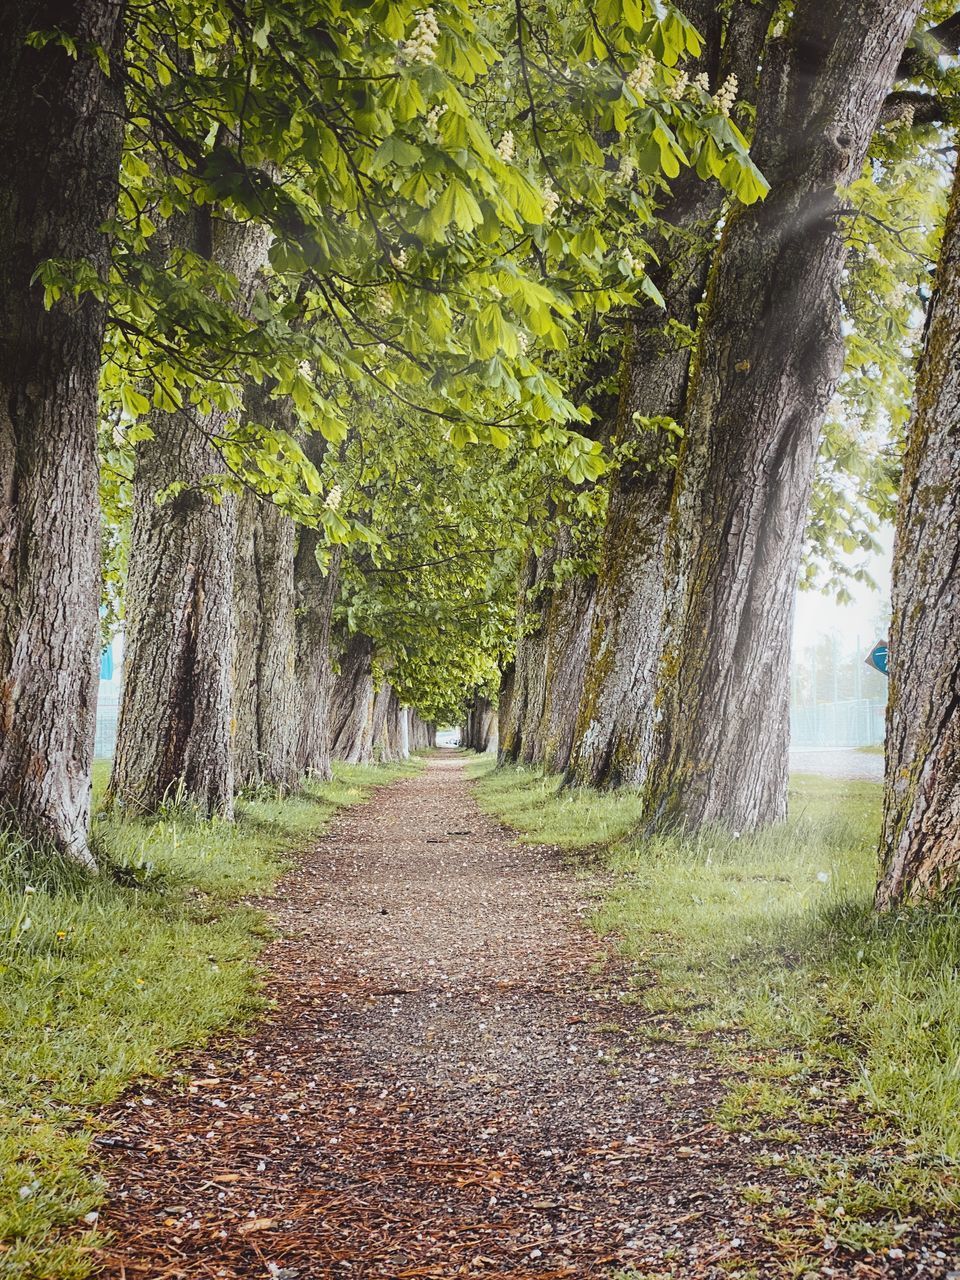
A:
101	980
773	935
876	750
573	818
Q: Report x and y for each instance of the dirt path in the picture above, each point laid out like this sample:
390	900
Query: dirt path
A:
448	1085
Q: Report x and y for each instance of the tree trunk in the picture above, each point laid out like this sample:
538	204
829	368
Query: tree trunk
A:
568	627
380	724
61	125
770	356
404	748
351	704
519	738
614	726
265	693
504	706
316	593
478	726
920	846
174	734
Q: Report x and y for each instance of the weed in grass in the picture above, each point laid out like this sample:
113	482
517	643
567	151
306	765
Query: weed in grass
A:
772	936
101	979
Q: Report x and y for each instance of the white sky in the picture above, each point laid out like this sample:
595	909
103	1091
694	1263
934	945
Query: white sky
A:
818	613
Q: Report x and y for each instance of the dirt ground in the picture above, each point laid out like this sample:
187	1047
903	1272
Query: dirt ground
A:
450	1083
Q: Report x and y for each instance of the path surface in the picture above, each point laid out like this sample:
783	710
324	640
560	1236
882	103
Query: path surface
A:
449	1084
846	763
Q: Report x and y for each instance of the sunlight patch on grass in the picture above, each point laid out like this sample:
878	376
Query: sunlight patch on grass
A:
101	980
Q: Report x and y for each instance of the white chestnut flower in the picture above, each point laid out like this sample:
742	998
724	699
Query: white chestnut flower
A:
726	95
422	44
551	201
679	87
640	79
333	499
702	81
434	114
625	170
506	146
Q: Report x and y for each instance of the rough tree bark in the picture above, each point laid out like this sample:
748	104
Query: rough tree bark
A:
381	746
351	703
316	594
920	845
523	711
174	734
265	692
61	123
478	726
505	704
568	627
769	359
614	724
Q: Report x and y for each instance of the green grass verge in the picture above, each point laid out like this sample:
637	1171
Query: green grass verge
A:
101	981
773	935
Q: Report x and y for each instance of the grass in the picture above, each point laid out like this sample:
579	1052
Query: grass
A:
102	980
771	939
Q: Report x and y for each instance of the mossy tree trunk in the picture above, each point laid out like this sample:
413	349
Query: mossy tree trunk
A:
61	123
614	724
920	845
769	359
175	729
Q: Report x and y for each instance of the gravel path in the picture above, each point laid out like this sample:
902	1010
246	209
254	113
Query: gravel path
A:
451	1083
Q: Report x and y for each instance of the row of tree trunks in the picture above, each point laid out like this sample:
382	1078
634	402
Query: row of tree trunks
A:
920	847
61	123
769	359
423	733
174	733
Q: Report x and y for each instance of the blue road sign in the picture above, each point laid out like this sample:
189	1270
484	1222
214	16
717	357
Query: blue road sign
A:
877	657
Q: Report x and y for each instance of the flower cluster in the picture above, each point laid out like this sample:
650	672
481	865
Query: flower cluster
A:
625	170
551	201
626	256
679	87
726	95
640	78
523	342
383	303
907	115
702	82
434	114
507	146
399	259
422	45
333	498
